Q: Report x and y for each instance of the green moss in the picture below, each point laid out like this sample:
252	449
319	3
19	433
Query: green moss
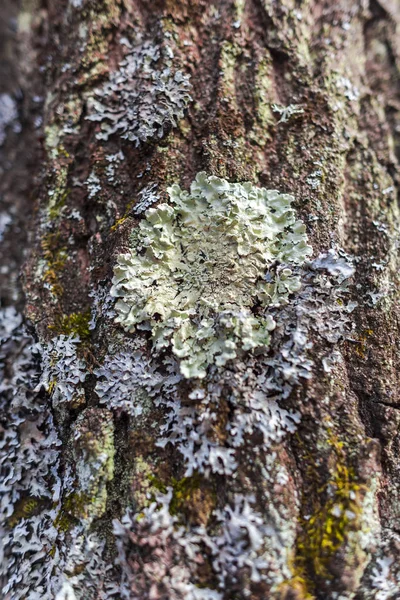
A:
183	491
78	504
25	508
336	514
297	587
57	205
361	347
122	220
64	521
55	256
76	324
192	497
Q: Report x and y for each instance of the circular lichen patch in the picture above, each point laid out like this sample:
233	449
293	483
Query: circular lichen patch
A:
199	265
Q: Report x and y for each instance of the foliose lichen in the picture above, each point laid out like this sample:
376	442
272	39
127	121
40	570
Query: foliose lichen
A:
8	114
200	265
211	421
84	570
158	557
63	370
126	382
161	557
194	425
287	111
383	582
102	306
29	460
40	560
144	97
146	197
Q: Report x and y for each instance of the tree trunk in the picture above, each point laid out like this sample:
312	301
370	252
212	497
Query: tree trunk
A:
199	386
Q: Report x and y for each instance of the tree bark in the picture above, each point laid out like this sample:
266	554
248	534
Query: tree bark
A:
131	470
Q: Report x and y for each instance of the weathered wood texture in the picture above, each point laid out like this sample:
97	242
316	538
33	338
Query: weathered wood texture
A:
300	96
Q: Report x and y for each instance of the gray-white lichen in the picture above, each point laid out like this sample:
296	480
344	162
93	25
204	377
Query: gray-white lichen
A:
194	274
158	554
199	266
287	111
8	114
146	197
63	370
127	381
252	399
162	558
5	221
38	561
144	97
256	388
220	274
29	458
28	447
159	558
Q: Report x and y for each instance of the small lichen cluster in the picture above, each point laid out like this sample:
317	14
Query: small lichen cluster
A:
93	185
102	307
245	547
144	97
160	557
8	114
127	381
27	570
146	197
28	446
385	574
111	170
62	369
287	111
199	266
84	570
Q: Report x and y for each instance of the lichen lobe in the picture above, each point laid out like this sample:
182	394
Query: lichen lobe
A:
198	268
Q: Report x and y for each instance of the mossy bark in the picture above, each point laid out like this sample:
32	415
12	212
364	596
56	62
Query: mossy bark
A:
338	154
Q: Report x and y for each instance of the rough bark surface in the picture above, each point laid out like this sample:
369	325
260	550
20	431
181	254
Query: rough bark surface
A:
105	104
